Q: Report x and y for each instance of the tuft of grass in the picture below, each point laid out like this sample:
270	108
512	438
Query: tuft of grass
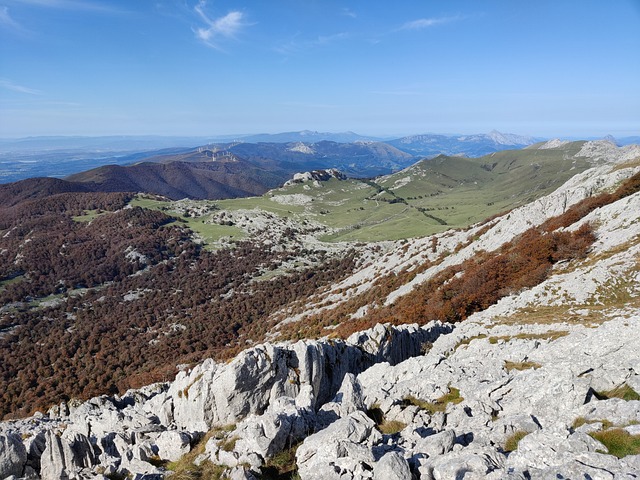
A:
511	443
580	421
467	341
550	335
440	404
391	427
386	427
282	466
619	442
625	392
229	444
528	365
185	469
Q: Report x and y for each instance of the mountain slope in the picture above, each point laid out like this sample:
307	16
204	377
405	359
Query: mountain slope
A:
34	188
550	360
431	196
97	259
212	180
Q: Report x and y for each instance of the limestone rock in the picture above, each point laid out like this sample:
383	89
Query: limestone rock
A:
282	425
615	410
65	455
476	463
172	445
392	466
13	455
349	399
340	448
437	444
551	449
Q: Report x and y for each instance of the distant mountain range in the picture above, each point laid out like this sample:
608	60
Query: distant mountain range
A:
356	159
307	136
221	171
429	145
261	161
224	178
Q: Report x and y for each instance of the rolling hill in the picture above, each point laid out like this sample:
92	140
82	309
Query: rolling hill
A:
223	178
428	197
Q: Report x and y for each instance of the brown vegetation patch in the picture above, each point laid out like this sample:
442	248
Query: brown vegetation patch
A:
519	366
511	444
474	285
196	303
438	405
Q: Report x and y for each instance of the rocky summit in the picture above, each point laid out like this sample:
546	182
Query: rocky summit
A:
541	384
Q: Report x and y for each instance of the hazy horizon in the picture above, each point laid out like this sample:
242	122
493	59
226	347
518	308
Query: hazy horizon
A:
382	136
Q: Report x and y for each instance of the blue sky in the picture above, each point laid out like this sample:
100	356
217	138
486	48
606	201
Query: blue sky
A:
214	67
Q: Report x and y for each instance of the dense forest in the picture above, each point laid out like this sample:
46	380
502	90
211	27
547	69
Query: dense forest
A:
102	306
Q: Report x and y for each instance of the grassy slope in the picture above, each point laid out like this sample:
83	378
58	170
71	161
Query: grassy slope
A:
429	197
210	233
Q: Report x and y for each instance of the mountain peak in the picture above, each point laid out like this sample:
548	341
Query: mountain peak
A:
509	138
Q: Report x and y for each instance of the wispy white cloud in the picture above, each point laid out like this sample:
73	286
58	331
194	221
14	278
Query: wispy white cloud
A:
226	26
349	13
422	23
297	46
326	39
6	21
9	85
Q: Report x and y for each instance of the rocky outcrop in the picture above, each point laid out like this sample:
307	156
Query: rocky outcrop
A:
316	176
279	393
343	448
217	394
454	408
65	455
